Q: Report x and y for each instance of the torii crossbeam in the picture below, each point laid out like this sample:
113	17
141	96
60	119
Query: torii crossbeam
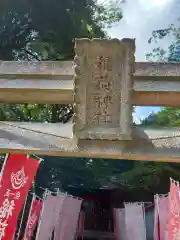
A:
104	83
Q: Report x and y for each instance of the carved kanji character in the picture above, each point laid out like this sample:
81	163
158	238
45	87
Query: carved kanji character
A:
104	85
104	63
107	99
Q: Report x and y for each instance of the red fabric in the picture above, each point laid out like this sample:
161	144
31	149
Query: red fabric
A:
32	219
174	214
17	177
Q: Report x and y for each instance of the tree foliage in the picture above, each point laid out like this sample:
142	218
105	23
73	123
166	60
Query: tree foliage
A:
172	52
167	116
155	176
159	173
44	30
66	172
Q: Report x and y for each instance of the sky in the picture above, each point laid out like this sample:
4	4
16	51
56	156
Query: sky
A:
140	18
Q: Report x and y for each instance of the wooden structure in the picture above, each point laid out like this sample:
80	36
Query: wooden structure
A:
104	83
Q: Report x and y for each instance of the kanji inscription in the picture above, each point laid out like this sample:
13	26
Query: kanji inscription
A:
103	89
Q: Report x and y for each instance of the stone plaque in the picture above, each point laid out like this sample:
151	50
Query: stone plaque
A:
103	88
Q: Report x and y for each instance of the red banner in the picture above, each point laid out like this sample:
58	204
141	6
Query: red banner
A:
33	218
174	213
17	177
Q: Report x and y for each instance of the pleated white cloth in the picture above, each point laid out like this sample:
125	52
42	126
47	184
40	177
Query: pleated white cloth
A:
66	226
135	221
47	219
119	224
50	215
163	217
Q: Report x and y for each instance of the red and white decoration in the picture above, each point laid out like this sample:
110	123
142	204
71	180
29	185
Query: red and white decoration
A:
34	213
16	180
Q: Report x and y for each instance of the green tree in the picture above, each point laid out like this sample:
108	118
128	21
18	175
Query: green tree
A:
44	30
149	176
66	172
156	175
167	116
172	52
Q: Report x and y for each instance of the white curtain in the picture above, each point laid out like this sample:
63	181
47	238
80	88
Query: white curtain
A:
50	215
135	221
66	226
47	219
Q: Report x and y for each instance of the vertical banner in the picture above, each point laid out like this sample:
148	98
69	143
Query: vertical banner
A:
163	216
17	176
66	227
156	218
135	222
50	214
62	222
174	213
119	224
71	227
33	218
59	205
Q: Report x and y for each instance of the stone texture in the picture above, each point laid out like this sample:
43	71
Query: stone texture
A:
43	139
103	88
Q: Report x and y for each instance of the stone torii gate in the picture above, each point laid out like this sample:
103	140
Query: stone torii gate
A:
103	83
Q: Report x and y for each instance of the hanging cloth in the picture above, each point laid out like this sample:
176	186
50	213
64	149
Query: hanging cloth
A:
135	221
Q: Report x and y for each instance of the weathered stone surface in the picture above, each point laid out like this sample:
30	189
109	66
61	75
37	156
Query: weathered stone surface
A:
28	68
56	139
103	88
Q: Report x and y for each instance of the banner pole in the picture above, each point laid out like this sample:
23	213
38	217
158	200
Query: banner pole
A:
58	192
3	166
39	222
